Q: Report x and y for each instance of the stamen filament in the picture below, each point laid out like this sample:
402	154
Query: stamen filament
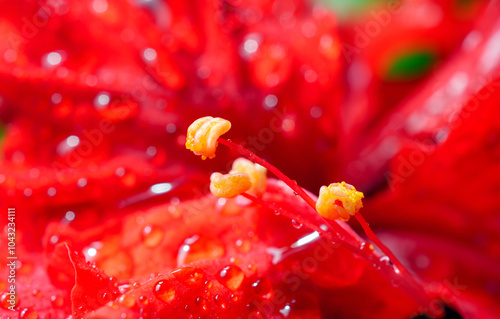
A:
371	235
203	136
254	158
288	181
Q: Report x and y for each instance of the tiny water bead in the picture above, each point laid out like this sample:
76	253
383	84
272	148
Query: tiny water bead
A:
338	202
28	313
296	224
164	291
262	288
57	301
127	300
189	276
231	277
8	300
102	100
152	235
198	248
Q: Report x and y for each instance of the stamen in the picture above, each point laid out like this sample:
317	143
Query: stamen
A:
202	135
229	185
339	201
257	173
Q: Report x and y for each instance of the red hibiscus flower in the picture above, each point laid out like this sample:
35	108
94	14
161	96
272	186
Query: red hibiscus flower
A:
107	215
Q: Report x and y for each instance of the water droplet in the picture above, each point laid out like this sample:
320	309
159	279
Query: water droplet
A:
171	128
57	301
385	260
262	288
366	247
53	59
149	54
231	277
51	191
152	236
296	224
203	72
195	248
37	293
28	313
219	301
70	215
10	56
250	45
270	101
164	291
7	300
161	188
189	275
285	311
73	141
243	246
56	98
100	6
28	192
127	300
316	112
102	100
144	300
82	182
151	151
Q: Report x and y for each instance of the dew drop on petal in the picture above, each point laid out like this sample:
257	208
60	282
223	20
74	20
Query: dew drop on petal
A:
262	288
151	151
5	300
51	191
203	72
102	100
270	101
73	141
385	260
56	301
251	46
149	54
28	313
100	6
316	112
10	56
144	300
56	98
53	58
127	300
231	277
70	215
171	128
82	182
189	275
296	224
152	236
164	291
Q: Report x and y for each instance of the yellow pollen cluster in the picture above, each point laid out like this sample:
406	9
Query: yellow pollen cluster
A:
229	185
202	135
256	172
339	201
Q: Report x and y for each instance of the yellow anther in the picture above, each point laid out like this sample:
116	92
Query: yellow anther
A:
257	173
229	185
339	201
202	135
